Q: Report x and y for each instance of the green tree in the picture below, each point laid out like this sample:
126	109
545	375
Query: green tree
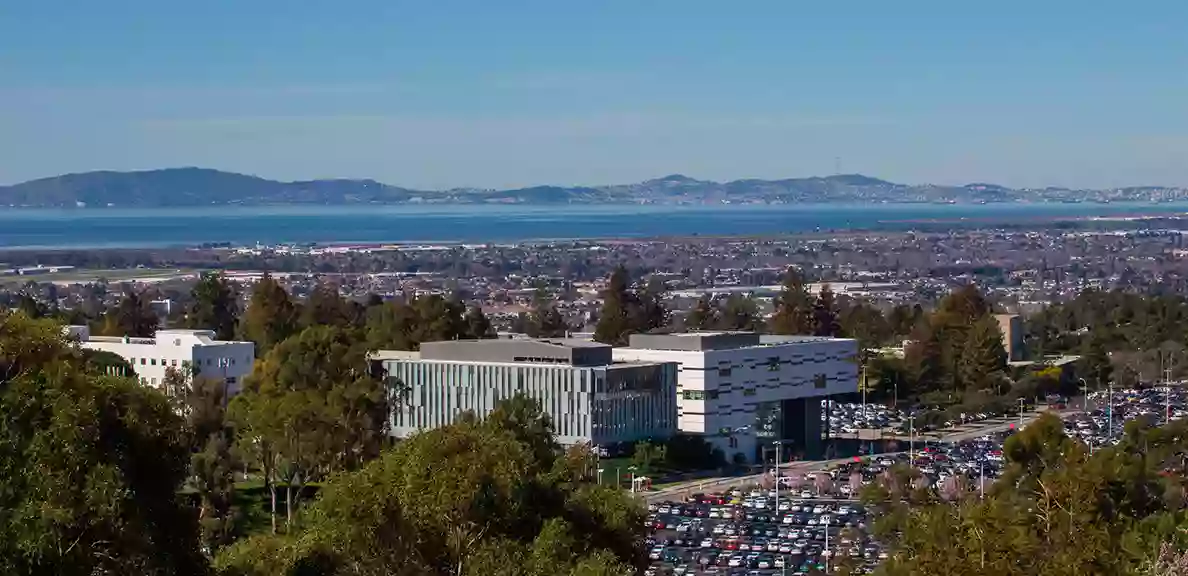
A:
626	311
439	319
469	499
392	326
703	316
477	324
793	307
740	313
864	323
1096	361
91	465
545	321
214	306
983	361
311	406
270	316
614	321
132	316
325	307
824	315
647	455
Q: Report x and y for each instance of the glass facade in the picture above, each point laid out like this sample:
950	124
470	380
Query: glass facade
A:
599	404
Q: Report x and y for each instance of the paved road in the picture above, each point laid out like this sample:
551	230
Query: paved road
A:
718	484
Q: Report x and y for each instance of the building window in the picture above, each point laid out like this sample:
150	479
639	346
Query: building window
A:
143	360
153	362
694	395
749	392
773	364
819	381
154	381
174	363
724	372
712	394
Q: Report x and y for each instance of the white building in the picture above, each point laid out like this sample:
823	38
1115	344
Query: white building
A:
744	391
589	396
178	349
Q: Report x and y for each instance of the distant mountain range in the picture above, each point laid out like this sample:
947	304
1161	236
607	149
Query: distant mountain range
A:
176	187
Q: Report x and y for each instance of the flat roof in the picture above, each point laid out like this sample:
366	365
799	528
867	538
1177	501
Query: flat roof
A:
720	340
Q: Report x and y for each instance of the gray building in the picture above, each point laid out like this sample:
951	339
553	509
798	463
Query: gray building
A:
590	397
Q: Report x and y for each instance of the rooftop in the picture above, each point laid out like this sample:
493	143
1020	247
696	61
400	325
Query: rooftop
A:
702	341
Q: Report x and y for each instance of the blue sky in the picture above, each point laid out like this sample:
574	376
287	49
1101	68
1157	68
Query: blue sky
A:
480	93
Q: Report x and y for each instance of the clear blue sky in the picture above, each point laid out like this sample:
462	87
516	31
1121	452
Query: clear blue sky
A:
480	93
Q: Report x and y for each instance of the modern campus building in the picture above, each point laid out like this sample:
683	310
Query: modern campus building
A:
178	349
744	392
589	396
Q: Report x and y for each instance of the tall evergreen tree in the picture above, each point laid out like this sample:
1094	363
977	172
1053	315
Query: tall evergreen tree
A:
703	316
740	313
391	326
649	311
1096	361
477	324
864	323
270	316
614	323
793	307
439	318
825	321
983	361
325	307
133	316
214	306
545	321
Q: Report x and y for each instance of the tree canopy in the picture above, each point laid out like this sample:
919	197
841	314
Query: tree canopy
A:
473	498
90	465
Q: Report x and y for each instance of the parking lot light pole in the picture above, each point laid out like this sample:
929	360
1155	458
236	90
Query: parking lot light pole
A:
981	479
1110	410
912	440
825	521
1020	413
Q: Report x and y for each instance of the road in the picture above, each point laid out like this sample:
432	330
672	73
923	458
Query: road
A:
718	484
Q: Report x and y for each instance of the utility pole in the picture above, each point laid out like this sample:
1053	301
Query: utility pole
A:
1020	414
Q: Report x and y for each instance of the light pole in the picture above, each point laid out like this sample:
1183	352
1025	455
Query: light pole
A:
825	521
1084	395
632	469
600	476
1020	413
981	479
912	440
1110	410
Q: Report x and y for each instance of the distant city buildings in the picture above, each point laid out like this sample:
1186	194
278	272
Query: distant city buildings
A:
745	392
590	397
195	350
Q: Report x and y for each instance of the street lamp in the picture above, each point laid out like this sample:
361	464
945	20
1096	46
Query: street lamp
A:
911	440
1020	413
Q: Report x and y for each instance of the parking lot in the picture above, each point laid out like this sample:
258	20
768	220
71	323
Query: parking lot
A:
818	519
748	533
